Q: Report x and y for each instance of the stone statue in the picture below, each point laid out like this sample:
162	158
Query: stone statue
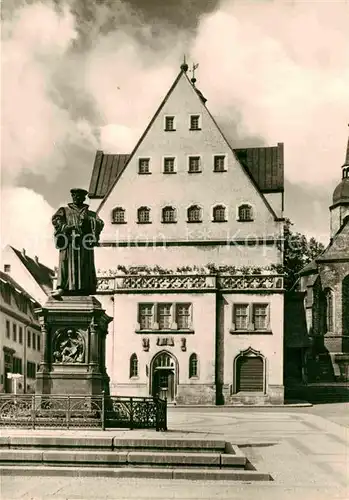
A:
77	231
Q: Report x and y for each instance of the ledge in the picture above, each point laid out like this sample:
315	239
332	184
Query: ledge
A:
195	172
145	173
164	332
250	332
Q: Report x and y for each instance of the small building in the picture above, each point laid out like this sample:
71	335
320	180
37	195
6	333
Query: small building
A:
189	259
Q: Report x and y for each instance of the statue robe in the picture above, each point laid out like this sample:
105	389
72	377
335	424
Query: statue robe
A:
77	231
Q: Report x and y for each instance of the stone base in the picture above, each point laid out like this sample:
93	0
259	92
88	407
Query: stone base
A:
274	396
87	384
196	394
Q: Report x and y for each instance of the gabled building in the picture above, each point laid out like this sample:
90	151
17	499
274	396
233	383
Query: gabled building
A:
325	285
188	260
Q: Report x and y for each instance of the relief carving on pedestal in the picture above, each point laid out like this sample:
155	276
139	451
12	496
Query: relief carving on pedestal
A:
68	346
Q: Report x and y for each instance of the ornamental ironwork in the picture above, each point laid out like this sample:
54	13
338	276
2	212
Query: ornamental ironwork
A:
52	411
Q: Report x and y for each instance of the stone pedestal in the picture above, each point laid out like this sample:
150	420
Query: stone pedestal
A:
74	330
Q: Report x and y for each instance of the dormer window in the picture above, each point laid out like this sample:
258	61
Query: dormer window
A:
169	215
194	166
144	166
245	213
194	214
195	122
169	165
219	163
219	213
143	214
170	123
118	215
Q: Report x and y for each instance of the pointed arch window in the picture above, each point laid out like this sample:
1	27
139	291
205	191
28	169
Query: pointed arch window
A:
219	213
133	365
194	214
329	310
118	215
193	365
245	212
169	215
143	215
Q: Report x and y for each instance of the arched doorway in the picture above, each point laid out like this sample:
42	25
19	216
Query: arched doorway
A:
249	371
164	376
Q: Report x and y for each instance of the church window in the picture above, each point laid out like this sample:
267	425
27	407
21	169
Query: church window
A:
133	365
194	214
245	213
118	215
193	365
143	214
219	213
169	165
194	164
168	215
144	166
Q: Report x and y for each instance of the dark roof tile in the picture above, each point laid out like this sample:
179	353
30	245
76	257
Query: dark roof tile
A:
43	275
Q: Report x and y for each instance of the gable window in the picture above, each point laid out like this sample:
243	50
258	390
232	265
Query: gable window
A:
219	213
194	164
183	316
144	166
169	215
260	316
245	213
193	365
133	365
240	316
164	316
146	316
195	122
169	165
194	214
118	215
169	123
143	214
6	292
7	329
219	163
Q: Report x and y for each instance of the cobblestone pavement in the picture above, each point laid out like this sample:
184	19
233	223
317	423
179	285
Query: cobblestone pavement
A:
306	454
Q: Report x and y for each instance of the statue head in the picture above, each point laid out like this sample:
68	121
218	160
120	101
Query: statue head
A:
78	196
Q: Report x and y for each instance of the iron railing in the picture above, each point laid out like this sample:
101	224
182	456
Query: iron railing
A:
63	411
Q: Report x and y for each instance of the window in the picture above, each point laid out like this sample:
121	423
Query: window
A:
38	344
7	268
143	214
20	335
195	122
144	166
194	164
219	163
17	365
133	366
14	332
21	303
193	366
146	316
164	316
260	315
329	310
219	214
29	338
31	369
6	292
118	215
245	213
169	165
34	341
169	123
249	374
8	329
183	316
240	316
194	214
168	215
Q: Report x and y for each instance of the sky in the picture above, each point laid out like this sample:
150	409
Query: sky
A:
82	75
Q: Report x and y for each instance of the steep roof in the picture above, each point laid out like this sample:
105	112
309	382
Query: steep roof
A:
106	169
43	275
338	249
8	279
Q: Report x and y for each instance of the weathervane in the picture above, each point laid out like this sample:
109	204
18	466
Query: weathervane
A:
192	71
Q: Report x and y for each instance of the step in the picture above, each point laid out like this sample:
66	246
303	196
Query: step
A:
155	473
121	458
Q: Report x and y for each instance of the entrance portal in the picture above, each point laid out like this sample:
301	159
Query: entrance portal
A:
163	376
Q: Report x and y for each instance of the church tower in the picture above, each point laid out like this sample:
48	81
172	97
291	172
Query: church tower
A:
340	201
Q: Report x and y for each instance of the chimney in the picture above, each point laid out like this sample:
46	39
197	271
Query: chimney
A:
36	258
23	252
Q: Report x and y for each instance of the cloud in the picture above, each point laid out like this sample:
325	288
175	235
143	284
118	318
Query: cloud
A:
26	223
285	67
